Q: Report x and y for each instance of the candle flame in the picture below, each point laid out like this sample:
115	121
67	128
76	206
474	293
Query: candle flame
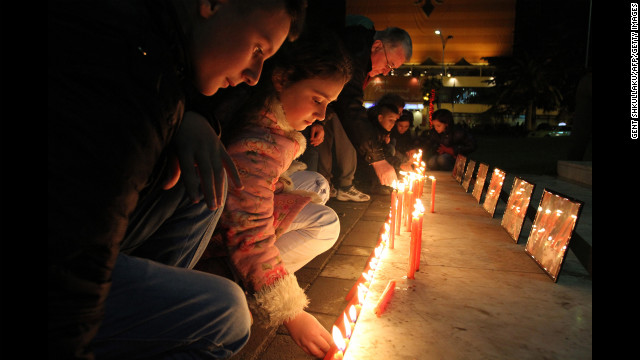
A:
352	313
362	291
418	208
337	338
347	326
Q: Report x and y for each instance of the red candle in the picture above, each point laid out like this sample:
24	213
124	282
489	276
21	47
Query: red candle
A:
433	192
400	207
392	223
412	251
420	210
384	298
408	203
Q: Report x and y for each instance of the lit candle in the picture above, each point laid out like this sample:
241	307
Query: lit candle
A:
394	209
408	203
347	326
418	230
337	352
399	207
384	298
353	315
433	192
412	249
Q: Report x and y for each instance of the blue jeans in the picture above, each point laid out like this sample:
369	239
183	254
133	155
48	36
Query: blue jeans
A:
157	306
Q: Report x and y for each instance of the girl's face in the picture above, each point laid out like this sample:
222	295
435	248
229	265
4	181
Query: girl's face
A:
439	126
306	100
402	126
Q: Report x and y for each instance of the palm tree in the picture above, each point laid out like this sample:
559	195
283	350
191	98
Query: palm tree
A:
523	84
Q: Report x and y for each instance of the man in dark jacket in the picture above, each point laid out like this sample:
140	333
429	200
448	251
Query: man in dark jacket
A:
121	75
373	53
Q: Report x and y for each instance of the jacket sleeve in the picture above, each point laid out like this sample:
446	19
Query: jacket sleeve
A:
250	234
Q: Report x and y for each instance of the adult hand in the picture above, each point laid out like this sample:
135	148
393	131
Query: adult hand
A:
309	334
445	149
316	136
201	159
386	173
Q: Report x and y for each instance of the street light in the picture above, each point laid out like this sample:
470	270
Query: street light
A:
444	43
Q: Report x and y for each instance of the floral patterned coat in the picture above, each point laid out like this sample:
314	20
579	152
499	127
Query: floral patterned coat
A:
255	216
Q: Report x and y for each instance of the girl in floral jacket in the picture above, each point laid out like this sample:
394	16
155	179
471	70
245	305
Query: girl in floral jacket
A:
276	223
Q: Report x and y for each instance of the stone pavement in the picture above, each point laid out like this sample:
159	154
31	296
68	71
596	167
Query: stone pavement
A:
477	295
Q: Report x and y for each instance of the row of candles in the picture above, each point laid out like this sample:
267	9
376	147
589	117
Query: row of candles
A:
403	196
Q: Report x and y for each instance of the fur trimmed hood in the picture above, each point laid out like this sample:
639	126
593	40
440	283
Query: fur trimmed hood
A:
275	118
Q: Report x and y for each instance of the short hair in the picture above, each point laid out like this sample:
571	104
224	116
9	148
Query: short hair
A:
443	115
393	99
381	109
405	116
395	37
296	9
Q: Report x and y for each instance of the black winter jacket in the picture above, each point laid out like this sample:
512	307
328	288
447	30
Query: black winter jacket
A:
454	136
116	95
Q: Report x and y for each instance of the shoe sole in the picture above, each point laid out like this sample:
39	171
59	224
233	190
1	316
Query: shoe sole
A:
350	199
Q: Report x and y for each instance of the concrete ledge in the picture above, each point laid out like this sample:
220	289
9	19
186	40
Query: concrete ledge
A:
575	171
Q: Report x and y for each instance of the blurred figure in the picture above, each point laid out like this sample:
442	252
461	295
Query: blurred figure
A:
445	140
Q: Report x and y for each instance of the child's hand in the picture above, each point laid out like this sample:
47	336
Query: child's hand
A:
445	149
309	334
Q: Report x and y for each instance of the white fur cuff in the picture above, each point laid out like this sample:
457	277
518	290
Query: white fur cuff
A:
281	301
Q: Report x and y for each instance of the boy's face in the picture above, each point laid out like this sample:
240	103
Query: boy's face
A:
387	119
230	46
306	100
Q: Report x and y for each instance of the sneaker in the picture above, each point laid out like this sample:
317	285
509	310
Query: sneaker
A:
333	192
352	194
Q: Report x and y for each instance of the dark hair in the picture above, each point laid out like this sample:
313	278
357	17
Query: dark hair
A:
395	37
405	116
296	9
393	99
380	109
314	54
443	115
